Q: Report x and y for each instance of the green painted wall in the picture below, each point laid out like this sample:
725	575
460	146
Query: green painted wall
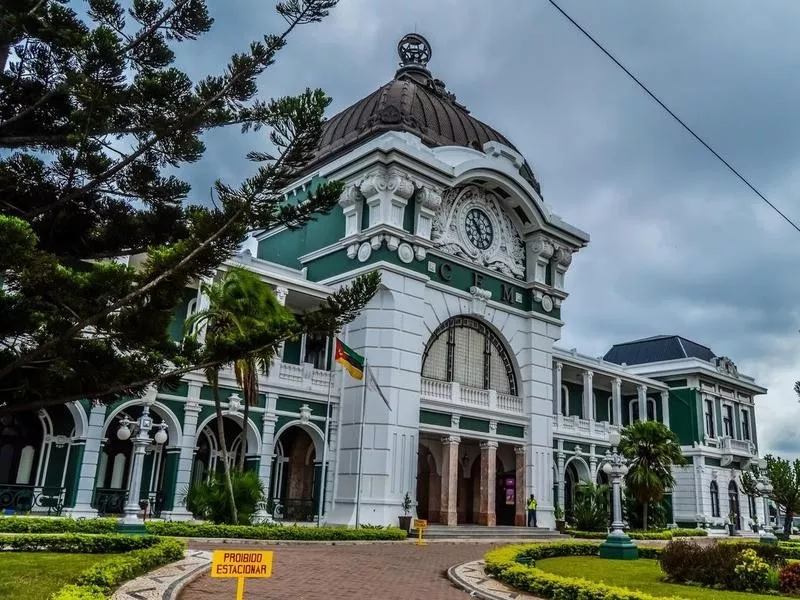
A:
287	246
291	351
683	415
471	424
429	417
516	431
179	314
457	276
318	409
677	383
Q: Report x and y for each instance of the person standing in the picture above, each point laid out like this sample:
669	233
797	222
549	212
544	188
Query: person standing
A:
532	511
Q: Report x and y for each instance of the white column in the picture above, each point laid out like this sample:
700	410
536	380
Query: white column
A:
557	391
642	397
280	295
187	451
588	396
665	407
616	400
91	456
561	459
268	445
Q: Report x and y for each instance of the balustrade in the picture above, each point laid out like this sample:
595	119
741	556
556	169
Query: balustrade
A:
455	393
573	425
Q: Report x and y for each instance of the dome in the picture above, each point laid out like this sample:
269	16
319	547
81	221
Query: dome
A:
413	102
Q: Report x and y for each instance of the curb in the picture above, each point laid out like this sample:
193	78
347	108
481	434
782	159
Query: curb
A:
167	581
472	590
174	590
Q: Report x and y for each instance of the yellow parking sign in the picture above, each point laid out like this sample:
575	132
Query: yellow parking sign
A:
241	564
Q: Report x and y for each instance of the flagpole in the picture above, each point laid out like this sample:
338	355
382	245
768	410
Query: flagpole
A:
361	445
324	469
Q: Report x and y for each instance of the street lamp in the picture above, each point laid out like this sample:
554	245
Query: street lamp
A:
617	544
764	487
139	430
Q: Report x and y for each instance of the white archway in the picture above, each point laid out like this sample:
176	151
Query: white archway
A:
79	418
174	430
253	436
435	454
584	473
314	432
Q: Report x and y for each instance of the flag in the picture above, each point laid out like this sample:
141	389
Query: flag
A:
372	383
351	360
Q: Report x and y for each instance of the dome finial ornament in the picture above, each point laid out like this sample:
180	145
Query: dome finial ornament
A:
414	51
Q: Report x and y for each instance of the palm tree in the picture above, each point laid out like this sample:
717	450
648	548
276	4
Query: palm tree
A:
651	449
241	308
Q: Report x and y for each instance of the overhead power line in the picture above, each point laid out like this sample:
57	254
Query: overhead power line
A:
674	116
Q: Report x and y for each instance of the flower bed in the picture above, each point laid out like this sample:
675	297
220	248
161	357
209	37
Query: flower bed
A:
738	566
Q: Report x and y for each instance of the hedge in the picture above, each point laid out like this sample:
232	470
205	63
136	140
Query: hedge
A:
666	534
56	525
504	566
76	543
272	532
99	582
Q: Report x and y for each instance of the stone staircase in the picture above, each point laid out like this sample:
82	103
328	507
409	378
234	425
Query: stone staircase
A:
479	532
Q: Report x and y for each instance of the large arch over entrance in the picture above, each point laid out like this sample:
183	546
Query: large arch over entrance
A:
468	351
296	473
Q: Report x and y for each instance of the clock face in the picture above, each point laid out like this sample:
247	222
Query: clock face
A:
479	229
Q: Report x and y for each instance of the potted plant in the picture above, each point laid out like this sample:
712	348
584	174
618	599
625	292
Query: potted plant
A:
731	522
405	520
558	513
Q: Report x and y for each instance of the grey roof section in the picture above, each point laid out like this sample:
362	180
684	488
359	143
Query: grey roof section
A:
657	349
414	102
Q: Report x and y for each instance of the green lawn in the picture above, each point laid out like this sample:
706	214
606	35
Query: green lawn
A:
37	575
642	575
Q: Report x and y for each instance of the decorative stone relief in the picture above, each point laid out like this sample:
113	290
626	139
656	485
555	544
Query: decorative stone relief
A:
234	403
479	299
305	413
428	202
405	252
387	192
725	365
502	249
350	203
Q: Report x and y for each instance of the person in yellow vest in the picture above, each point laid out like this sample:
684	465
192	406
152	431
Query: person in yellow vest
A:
532	511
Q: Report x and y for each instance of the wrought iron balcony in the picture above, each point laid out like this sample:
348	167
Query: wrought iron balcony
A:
448	392
31	499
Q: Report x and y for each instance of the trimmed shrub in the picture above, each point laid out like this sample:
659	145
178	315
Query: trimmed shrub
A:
502	563
97	582
666	534
76	543
752	571
789	579
272	532
209	500
56	525
683	532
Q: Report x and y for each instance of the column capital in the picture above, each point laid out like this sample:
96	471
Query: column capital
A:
488	445
665	394
559	366
617	381
642	387
588	374
519	450
451	440
281	293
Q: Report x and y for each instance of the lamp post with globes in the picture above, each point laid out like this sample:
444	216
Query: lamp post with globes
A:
617	544
138	432
764	487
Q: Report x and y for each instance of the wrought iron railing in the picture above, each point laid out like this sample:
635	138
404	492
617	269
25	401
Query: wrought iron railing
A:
109	501
155	504
28	498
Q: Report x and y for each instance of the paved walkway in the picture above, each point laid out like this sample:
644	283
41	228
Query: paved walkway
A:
399	571
164	582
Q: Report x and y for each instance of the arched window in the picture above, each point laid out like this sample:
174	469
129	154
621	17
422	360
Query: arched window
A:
714	499
466	351
733	503
633	411
652	412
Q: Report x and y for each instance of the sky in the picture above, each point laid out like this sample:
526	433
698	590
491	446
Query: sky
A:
678	244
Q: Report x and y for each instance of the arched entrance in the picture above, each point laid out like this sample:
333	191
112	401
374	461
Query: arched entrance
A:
208	456
575	472
296	476
429	486
733	504
113	478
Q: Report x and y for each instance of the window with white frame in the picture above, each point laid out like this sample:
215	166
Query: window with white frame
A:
316	350
727	420
467	351
709	414
745	424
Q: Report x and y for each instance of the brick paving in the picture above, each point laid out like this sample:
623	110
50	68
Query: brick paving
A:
400	571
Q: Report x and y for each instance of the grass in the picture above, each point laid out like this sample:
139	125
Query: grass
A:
37	575
643	575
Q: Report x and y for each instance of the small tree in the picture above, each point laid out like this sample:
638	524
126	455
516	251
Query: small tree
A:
784	476
651	449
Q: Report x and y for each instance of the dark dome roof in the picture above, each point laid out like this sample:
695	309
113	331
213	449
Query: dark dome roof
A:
414	102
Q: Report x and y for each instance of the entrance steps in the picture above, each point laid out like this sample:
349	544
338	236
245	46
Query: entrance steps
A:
480	532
